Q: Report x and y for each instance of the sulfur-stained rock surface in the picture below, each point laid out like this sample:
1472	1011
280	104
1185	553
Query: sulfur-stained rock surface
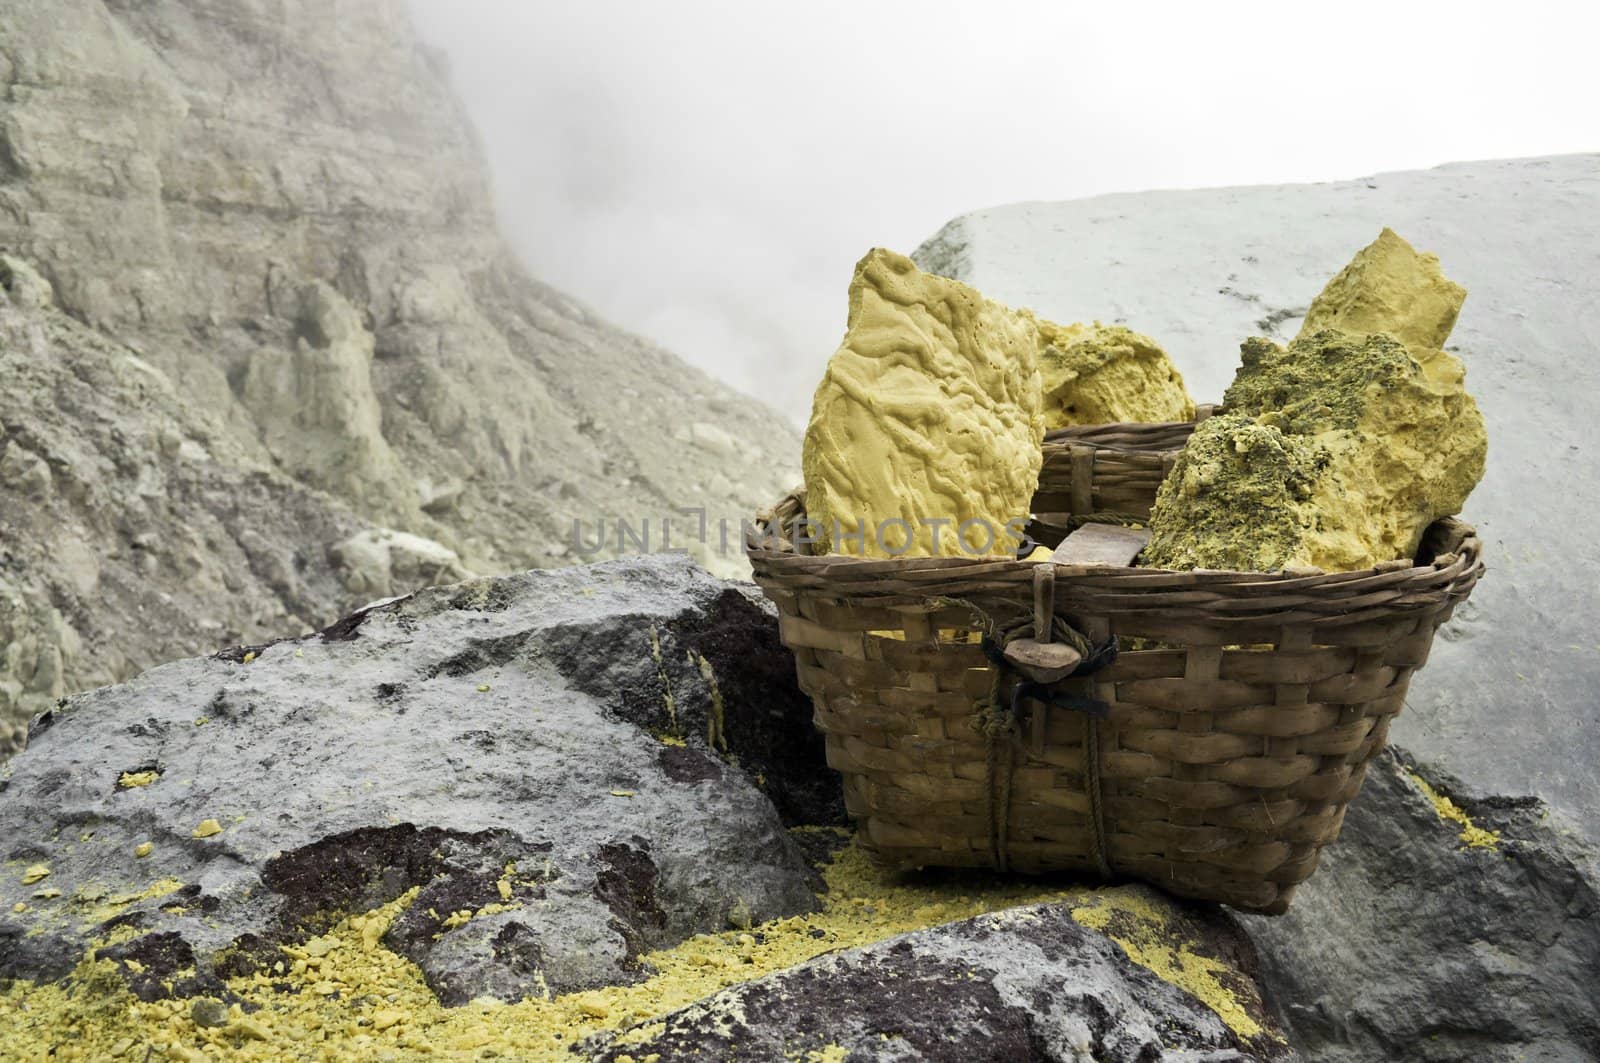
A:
501	816
1393	438
1104	374
427	744
1026	983
929	410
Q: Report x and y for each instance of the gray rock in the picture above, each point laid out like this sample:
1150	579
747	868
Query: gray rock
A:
1507	700
1408	944
23	285
379	562
134	529
427	742
1026	983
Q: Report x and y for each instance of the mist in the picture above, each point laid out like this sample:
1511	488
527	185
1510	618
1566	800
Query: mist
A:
706	174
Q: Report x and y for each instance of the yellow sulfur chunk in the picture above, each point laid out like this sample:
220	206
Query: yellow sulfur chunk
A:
1104	374
1390	287
929	410
1339	450
206	829
34	873
130	779
143	849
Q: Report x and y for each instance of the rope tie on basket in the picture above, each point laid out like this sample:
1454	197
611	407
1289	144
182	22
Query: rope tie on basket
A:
999	720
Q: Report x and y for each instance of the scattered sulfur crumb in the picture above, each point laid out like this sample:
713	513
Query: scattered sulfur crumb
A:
207	828
130	779
143	849
622	793
483	688
828	1054
1141	929
34	873
249	656
1472	835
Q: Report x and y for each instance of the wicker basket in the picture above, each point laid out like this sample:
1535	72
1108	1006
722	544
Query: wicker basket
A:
1243	707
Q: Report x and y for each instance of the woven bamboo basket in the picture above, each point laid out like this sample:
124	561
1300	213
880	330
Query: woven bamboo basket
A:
1240	709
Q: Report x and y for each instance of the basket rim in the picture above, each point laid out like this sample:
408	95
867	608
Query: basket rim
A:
1447	529
1225	596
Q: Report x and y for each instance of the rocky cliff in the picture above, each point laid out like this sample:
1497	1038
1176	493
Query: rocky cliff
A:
277	210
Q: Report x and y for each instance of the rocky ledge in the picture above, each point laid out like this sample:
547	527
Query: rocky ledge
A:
583	814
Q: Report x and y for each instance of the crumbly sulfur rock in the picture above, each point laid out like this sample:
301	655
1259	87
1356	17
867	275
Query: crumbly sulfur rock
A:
1104	374
1390	287
928	411
1391	438
1239	497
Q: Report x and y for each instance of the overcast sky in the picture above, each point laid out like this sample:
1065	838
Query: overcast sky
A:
707	174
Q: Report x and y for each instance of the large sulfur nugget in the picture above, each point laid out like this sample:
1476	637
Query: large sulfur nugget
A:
1104	374
928	416
1390	287
1240	497
1379	436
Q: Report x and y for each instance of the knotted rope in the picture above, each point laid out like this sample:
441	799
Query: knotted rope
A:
999	720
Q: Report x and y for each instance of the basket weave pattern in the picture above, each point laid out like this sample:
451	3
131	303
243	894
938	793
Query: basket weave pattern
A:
1244	707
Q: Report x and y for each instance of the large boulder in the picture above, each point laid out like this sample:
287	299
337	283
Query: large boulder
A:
453	742
1027	983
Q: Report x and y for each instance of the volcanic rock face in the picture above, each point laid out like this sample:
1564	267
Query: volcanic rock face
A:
929	410
281	210
133	526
